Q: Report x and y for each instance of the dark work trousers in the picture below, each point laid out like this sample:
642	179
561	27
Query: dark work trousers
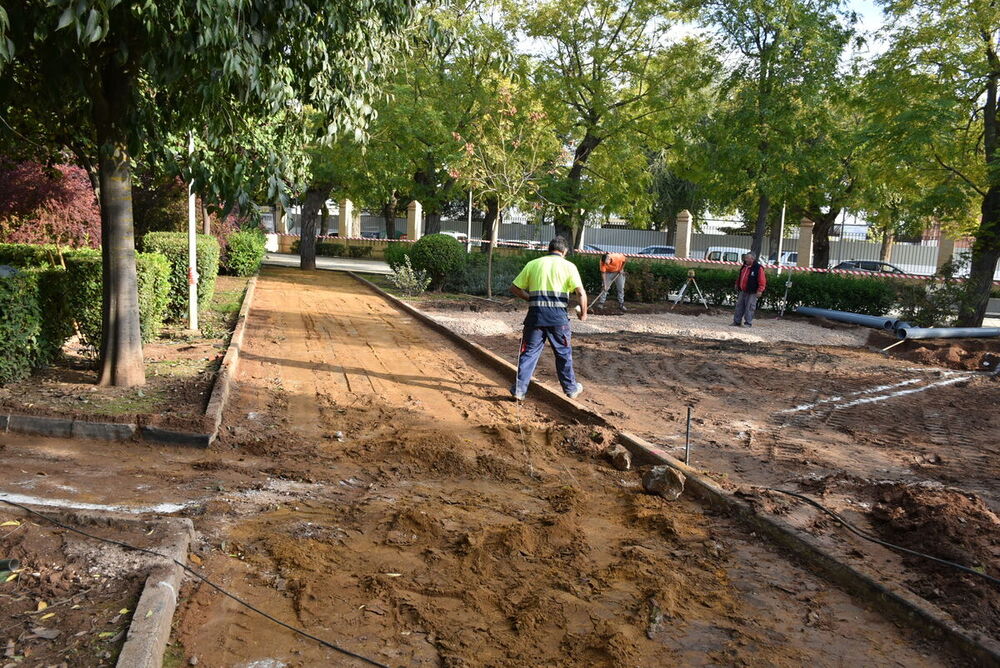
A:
746	306
532	343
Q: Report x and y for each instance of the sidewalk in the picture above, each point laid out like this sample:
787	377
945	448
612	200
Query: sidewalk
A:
331	263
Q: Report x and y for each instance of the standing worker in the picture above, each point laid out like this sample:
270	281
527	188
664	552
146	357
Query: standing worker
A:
751	283
546	284
612	272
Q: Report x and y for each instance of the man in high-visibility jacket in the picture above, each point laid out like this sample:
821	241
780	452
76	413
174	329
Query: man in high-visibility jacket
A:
612	273
546	284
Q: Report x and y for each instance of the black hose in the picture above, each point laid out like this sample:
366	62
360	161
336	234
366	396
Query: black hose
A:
211	584
867	536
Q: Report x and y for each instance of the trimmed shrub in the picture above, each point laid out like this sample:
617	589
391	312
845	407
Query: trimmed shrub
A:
30	255
85	286
246	250
330	248
359	251
174	246
20	326
395	252
439	255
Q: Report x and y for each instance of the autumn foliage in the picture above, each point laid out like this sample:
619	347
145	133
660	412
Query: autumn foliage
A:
43	205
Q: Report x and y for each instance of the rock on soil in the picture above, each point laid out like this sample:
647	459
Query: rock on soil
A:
665	481
619	456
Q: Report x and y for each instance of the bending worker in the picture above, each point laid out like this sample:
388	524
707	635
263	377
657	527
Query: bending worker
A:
546	283
750	282
612	271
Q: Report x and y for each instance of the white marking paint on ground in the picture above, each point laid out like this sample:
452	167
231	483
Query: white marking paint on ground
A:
79	505
830	400
892	395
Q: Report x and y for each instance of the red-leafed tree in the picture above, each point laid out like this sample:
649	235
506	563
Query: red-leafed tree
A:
48	205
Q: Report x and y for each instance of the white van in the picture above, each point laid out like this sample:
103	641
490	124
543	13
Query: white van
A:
723	254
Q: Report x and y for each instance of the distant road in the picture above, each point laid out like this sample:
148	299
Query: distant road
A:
334	263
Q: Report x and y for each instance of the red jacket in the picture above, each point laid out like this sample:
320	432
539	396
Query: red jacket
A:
751	276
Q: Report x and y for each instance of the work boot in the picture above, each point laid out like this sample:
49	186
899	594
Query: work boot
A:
622	307
576	392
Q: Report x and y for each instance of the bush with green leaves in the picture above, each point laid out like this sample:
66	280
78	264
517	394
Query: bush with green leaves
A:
359	251
83	269
30	255
439	255
246	250
470	279
330	248
20	326
408	280
174	246
395	252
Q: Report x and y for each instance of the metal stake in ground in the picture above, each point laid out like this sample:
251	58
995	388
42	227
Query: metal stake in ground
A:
690	281
784	304
687	440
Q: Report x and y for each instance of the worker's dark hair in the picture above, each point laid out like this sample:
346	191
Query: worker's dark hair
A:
605	258
558	245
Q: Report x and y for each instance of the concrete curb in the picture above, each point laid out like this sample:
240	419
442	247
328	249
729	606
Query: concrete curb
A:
40	425
149	631
227	370
892	601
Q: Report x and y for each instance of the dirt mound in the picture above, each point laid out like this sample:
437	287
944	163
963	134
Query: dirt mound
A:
963	354
951	525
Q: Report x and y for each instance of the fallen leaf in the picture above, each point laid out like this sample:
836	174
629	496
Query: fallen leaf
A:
195	559
149	613
47	615
75	607
105	634
124	611
11	576
11	523
48	634
41	606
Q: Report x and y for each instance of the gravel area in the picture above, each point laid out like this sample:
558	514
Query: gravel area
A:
765	330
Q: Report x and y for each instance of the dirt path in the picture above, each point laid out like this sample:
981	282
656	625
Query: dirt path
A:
375	486
448	539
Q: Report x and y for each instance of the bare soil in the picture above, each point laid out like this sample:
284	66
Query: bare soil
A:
376	487
839	423
180	373
70	602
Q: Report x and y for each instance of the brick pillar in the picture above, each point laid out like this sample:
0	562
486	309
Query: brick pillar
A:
345	218
805	249
946	249
414	220
682	240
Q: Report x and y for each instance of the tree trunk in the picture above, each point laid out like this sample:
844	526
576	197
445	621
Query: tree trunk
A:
121	362
763	206
489	223
315	200
324	221
389	216
432	223
985	254
206	220
774	240
888	240
489	254
280	218
823	224
567	217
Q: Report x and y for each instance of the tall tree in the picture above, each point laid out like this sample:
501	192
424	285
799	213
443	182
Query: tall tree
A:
144	70
936	87
785	52
608	70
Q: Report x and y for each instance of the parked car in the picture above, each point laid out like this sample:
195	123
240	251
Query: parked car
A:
592	248
788	258
870	265
461	236
723	254
658	250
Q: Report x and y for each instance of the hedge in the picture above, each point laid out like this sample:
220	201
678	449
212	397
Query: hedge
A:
20	326
174	246
246	250
336	249
83	274
30	255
